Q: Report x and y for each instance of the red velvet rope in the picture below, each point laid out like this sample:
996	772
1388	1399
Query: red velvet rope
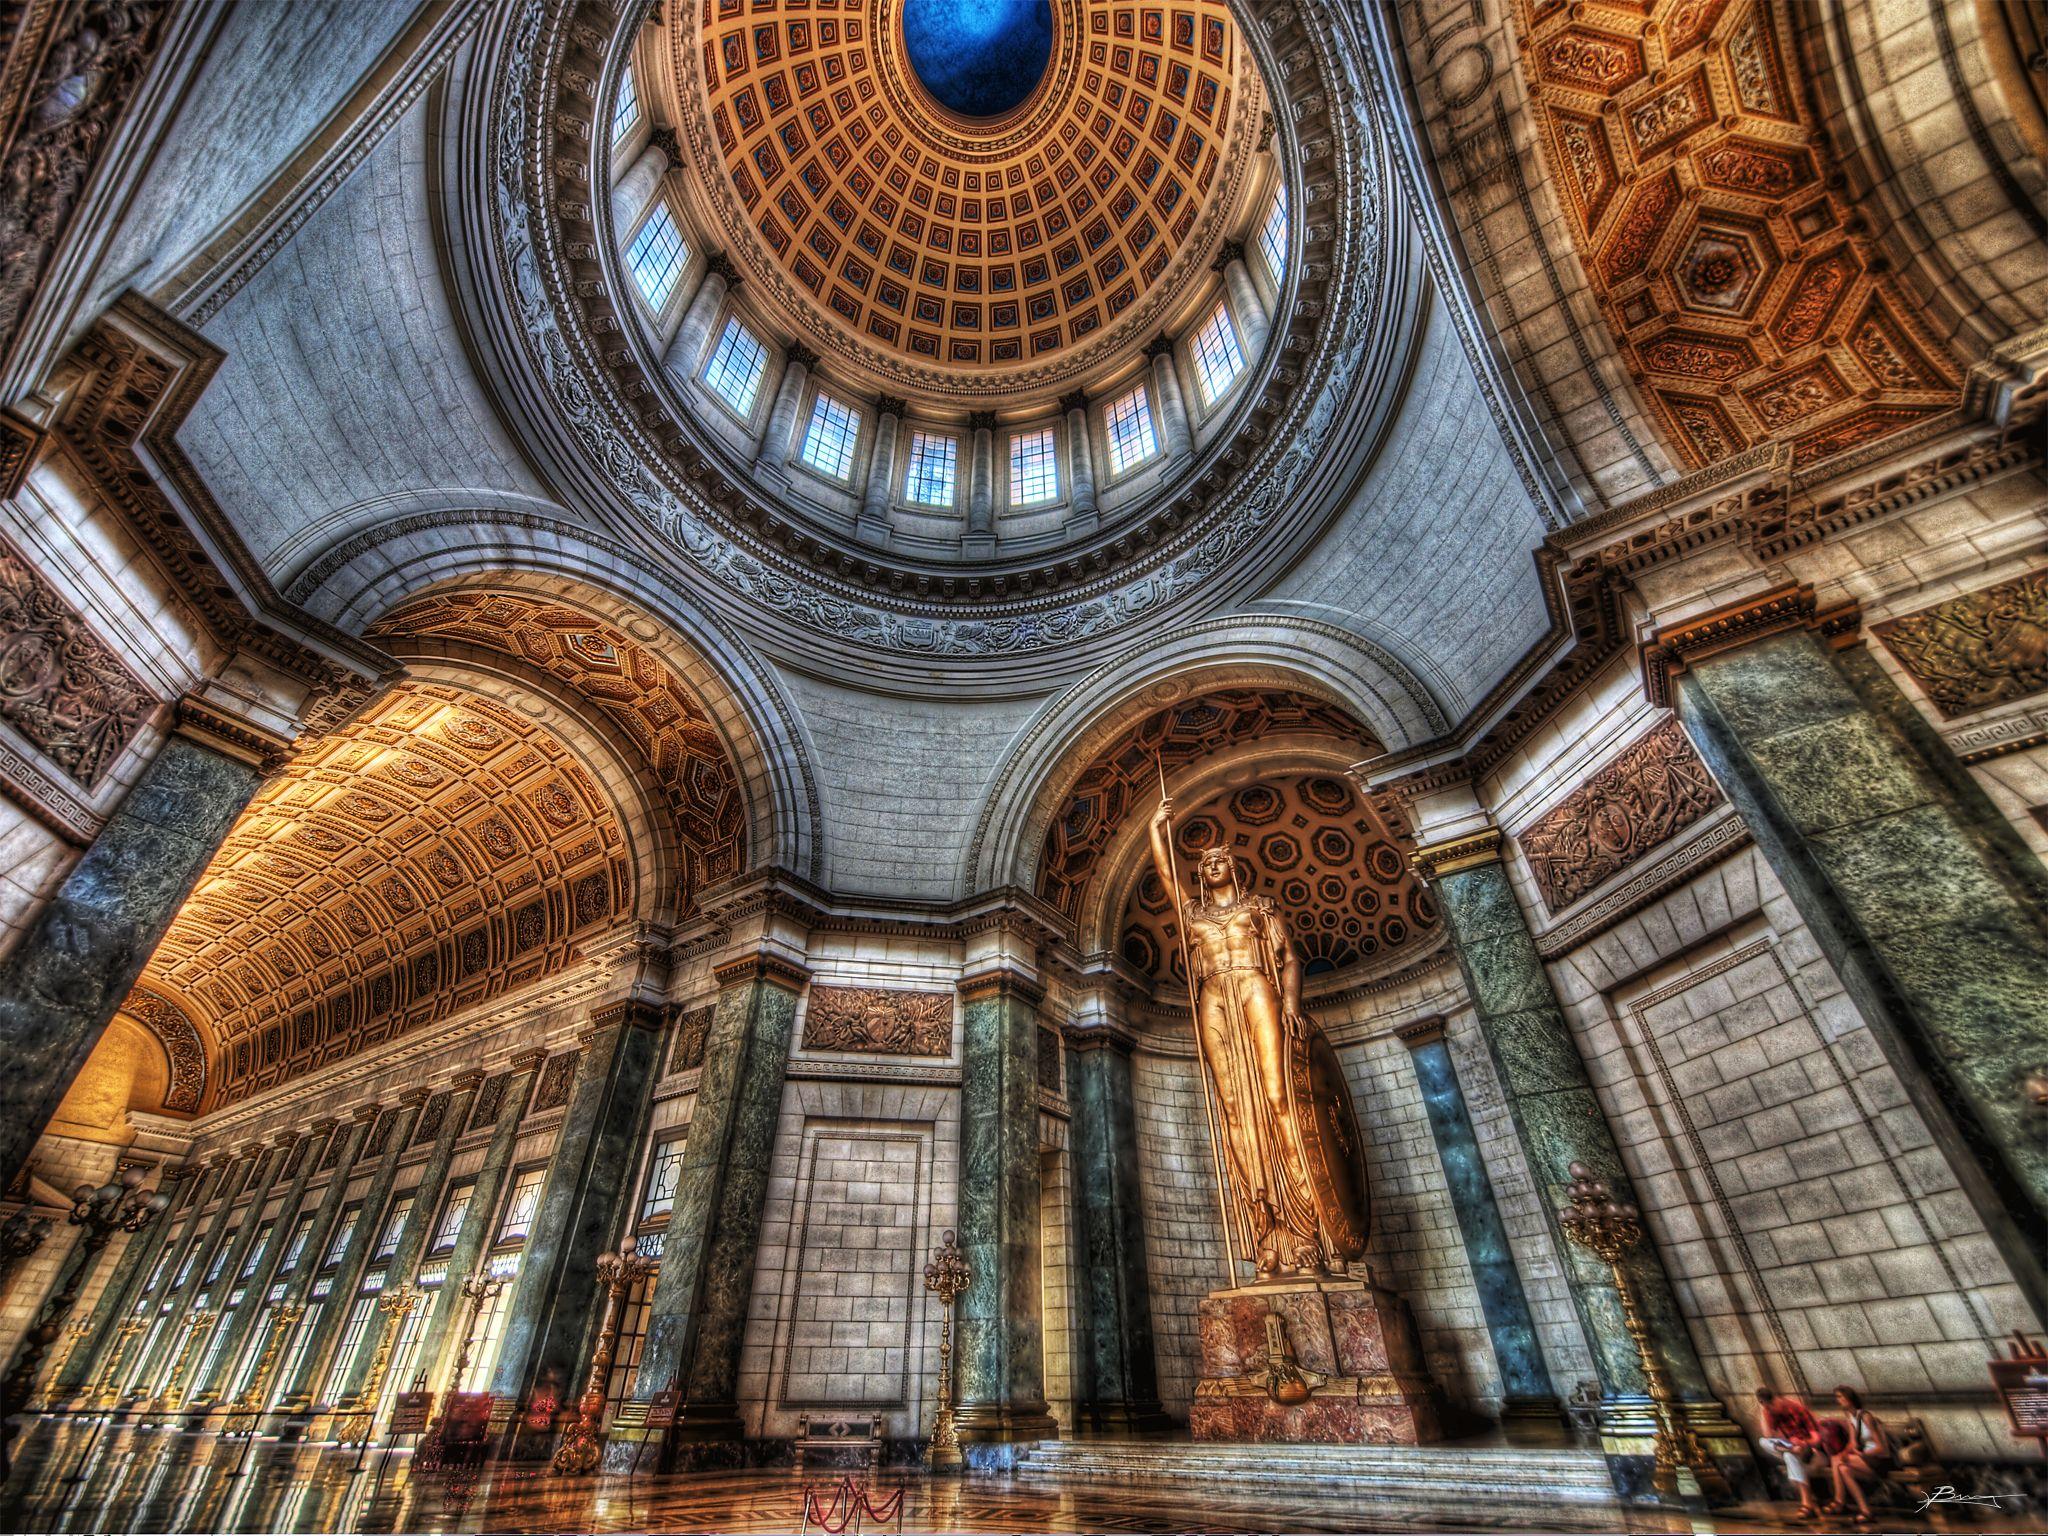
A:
849	1498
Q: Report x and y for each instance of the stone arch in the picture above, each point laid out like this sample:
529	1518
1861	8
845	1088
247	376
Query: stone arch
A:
1379	691
185	1048
367	574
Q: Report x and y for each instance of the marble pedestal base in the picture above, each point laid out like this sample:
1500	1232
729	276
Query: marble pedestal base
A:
1323	1361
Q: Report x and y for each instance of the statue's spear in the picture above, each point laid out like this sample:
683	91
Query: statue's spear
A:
1232	1228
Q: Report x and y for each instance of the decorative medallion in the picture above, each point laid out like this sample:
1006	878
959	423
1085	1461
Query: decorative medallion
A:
556	1079
693	1029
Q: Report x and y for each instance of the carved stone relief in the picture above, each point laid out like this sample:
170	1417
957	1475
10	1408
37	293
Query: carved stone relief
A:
1977	650
1649	794
62	688
181	1042
556	1078
692	1030
879	1020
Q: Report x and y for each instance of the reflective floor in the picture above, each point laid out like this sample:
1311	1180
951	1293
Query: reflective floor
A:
67	1479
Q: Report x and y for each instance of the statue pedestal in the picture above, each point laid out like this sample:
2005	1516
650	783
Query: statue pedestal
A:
1320	1361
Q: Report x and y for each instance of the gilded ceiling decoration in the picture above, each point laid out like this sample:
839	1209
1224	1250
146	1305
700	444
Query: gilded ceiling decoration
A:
1056	222
428	857
1311	844
1738	279
182	1043
1123	780
632	686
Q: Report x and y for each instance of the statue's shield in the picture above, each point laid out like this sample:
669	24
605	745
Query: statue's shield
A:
1329	1134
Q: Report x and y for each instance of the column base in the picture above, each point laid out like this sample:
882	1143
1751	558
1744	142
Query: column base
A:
1628	1439
1003	1423
1120	1420
1535	1421
1313	1361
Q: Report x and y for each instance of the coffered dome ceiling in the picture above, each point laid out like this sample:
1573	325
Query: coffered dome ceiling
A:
947	194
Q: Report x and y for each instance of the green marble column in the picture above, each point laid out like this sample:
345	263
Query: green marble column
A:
332	1199
402	1268
553	1314
218	1234
355	1260
1559	1121
699	1309
1930	911
1001	1374
478	1223
1112	1302
119	1296
60	985
215	1178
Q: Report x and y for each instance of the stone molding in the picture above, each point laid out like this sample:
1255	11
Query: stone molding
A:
761	966
1675	647
626	1013
199	720
1723	840
1433	861
1003	983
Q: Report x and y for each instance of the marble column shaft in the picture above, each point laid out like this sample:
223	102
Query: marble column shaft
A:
776	436
1559	1121
64	979
999	1335
240	1180
119	1296
1525	1382
699	1310
1113	1299
1931	915
243	1318
881	486
355	1259
1245	301
1080	459
1169	404
695	331
404	1262
981	480
553	1314
478	1222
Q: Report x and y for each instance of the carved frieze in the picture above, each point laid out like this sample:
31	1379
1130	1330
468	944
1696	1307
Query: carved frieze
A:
555	1081
1049	1061
1977	650
61	686
431	1120
490	1098
879	1020
1646	796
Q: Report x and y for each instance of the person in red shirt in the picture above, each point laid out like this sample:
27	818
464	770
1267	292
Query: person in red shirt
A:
1791	1434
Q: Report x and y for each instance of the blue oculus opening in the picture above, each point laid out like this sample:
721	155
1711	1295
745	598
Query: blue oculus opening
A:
979	58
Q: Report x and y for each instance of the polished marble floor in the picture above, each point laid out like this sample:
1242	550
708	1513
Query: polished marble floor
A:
68	1479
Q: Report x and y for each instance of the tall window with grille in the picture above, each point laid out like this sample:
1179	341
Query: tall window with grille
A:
295	1249
453	1213
737	366
829	439
256	1249
1034	468
632	1343
1218	358
394	1228
302	1337
1132	437
664	1172
934	462
1273	235
656	257
352	1331
626	110
490	1328
344	1229
520	1205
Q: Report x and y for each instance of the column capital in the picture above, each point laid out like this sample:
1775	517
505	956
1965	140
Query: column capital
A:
201	721
800	356
471	1078
1100	1035
1226	253
413	1098
363	1114
981	421
530	1060
1002	982
890	405
718	264
1073	400
1677	646
284	1141
1159	346
324	1125
627	1013
1421	1032
760	965
1435	860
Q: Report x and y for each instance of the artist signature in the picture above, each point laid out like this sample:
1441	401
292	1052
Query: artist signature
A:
1946	1494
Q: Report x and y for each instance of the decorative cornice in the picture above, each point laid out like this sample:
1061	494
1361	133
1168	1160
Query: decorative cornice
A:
263	750
1675	647
1435	860
627	1013
1002	982
20	445
1421	1032
528	1060
760	966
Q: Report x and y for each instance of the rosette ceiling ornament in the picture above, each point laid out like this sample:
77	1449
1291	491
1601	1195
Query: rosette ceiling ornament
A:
551	300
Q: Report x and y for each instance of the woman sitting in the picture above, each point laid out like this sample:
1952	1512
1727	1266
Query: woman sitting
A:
1866	1458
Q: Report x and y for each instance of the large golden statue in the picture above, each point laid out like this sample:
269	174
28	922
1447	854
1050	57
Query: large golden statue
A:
1295	1196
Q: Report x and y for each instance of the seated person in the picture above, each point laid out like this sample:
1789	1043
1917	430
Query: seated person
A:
1791	1434
1865	1460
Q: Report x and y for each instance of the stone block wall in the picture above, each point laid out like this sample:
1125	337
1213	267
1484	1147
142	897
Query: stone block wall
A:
1184	1254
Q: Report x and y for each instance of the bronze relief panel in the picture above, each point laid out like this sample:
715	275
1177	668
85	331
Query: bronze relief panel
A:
885	1021
1978	650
